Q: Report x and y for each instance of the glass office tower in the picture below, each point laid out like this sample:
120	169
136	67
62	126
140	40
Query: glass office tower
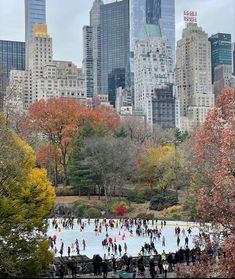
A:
115	47
35	12
12	56
168	22
221	51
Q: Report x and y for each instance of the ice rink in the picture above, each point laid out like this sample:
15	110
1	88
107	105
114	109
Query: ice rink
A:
134	243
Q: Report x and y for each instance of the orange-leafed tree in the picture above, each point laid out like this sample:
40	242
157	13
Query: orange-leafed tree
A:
214	155
59	120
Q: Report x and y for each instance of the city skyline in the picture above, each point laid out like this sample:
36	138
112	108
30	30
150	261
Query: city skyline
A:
67	37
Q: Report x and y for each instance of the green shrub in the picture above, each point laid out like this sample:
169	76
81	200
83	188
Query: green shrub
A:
92	212
149	193
163	200
78	209
134	196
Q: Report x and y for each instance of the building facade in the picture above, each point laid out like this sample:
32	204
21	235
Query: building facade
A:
193	76
153	11
115	47
154	73
124	100
221	51
164	108
234	59
45	78
12	56
168	22
96	46
92	52
88	61
35	12
222	78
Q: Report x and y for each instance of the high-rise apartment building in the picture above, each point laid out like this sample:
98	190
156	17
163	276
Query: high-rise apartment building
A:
221	51
154	77
12	56
193	76
151	12
115	47
88	61
45	78
96	46
163	11
35	12
92	52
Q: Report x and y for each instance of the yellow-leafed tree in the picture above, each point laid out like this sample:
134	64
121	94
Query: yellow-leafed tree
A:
149	167
26	198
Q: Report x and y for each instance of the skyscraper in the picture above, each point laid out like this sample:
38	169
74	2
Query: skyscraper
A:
12	56
193	76
92	52
88	61
96	46
168	22
115	47
221	51
154	77
35	12
153	11
137	19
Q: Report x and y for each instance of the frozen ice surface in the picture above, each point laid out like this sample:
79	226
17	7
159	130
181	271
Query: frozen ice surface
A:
134	243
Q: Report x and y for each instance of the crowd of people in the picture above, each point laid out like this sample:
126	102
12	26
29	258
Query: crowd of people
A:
149	229
115	248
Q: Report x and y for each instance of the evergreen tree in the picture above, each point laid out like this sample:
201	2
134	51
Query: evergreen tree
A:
120	133
80	176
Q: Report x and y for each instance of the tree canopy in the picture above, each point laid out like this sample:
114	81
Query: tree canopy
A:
26	198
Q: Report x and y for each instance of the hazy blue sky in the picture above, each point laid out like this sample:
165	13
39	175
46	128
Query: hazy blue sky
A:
65	19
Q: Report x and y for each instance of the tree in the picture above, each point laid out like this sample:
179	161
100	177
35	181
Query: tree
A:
26	198
112	160
175	174
150	169
80	176
136	130
120	133
214	155
59	120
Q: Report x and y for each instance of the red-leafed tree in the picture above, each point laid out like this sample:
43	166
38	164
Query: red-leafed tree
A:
59	120
214	156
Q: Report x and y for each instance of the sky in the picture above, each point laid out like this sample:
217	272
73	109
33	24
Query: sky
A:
65	19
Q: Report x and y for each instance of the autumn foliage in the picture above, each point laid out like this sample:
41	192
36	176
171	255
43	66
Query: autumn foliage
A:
59	121
120	209
215	151
214	156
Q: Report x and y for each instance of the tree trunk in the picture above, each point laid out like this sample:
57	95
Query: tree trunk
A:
56	173
176	192
106	197
65	171
89	194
